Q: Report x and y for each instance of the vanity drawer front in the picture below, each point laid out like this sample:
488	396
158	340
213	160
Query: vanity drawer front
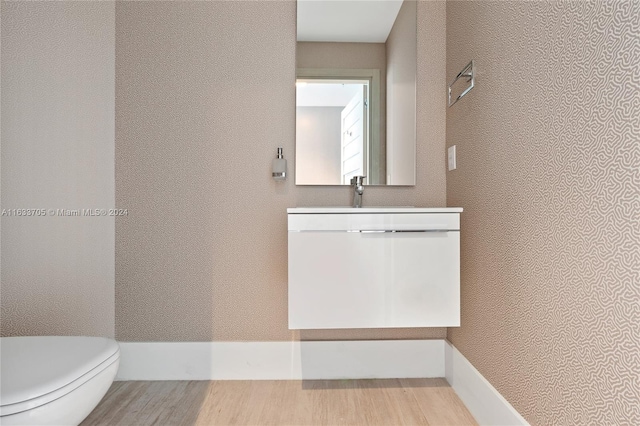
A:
374	280
375	222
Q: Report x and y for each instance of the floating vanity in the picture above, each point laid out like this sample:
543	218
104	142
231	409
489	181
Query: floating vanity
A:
374	267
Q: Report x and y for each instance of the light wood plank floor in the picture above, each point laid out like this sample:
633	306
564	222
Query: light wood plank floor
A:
308	402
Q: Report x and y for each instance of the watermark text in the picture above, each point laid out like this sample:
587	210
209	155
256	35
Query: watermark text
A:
63	212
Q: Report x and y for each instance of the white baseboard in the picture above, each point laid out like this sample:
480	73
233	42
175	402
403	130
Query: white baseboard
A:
281	360
354	359
484	402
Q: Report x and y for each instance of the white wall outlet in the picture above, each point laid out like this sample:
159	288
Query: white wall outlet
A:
452	157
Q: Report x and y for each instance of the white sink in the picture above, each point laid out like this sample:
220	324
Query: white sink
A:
352	210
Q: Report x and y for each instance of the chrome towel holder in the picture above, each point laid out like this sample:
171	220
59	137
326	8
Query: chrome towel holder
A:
469	73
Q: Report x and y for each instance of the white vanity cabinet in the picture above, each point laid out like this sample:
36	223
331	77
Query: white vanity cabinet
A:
374	267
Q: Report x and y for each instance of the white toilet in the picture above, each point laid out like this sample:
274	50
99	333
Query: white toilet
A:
54	380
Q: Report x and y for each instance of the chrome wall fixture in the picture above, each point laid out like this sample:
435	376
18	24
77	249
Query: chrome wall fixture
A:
469	73
279	167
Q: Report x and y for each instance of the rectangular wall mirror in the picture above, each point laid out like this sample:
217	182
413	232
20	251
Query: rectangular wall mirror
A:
356	92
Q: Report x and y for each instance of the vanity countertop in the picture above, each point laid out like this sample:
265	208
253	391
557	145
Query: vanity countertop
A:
361	210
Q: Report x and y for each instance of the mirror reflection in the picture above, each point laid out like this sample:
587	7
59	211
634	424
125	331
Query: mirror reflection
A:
355	92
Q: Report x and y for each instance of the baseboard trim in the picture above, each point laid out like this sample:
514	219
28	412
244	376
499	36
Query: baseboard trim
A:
354	359
484	402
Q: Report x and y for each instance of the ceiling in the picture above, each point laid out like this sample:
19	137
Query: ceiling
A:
362	21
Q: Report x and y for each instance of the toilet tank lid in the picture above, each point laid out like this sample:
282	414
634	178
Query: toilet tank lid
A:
31	366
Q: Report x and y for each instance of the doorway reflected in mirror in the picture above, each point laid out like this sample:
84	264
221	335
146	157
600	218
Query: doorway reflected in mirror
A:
333	130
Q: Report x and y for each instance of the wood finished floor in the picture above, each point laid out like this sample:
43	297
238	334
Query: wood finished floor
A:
308	402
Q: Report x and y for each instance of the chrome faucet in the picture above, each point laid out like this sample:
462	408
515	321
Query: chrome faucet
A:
358	189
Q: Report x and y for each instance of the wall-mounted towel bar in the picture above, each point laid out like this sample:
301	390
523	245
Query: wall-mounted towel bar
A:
469	73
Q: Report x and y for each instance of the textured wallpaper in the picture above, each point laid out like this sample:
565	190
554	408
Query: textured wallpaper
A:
549	176
58	71
204	96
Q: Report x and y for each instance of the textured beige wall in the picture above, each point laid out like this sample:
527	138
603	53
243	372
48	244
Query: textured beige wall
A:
401	96
58	68
347	56
549	177
204	96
